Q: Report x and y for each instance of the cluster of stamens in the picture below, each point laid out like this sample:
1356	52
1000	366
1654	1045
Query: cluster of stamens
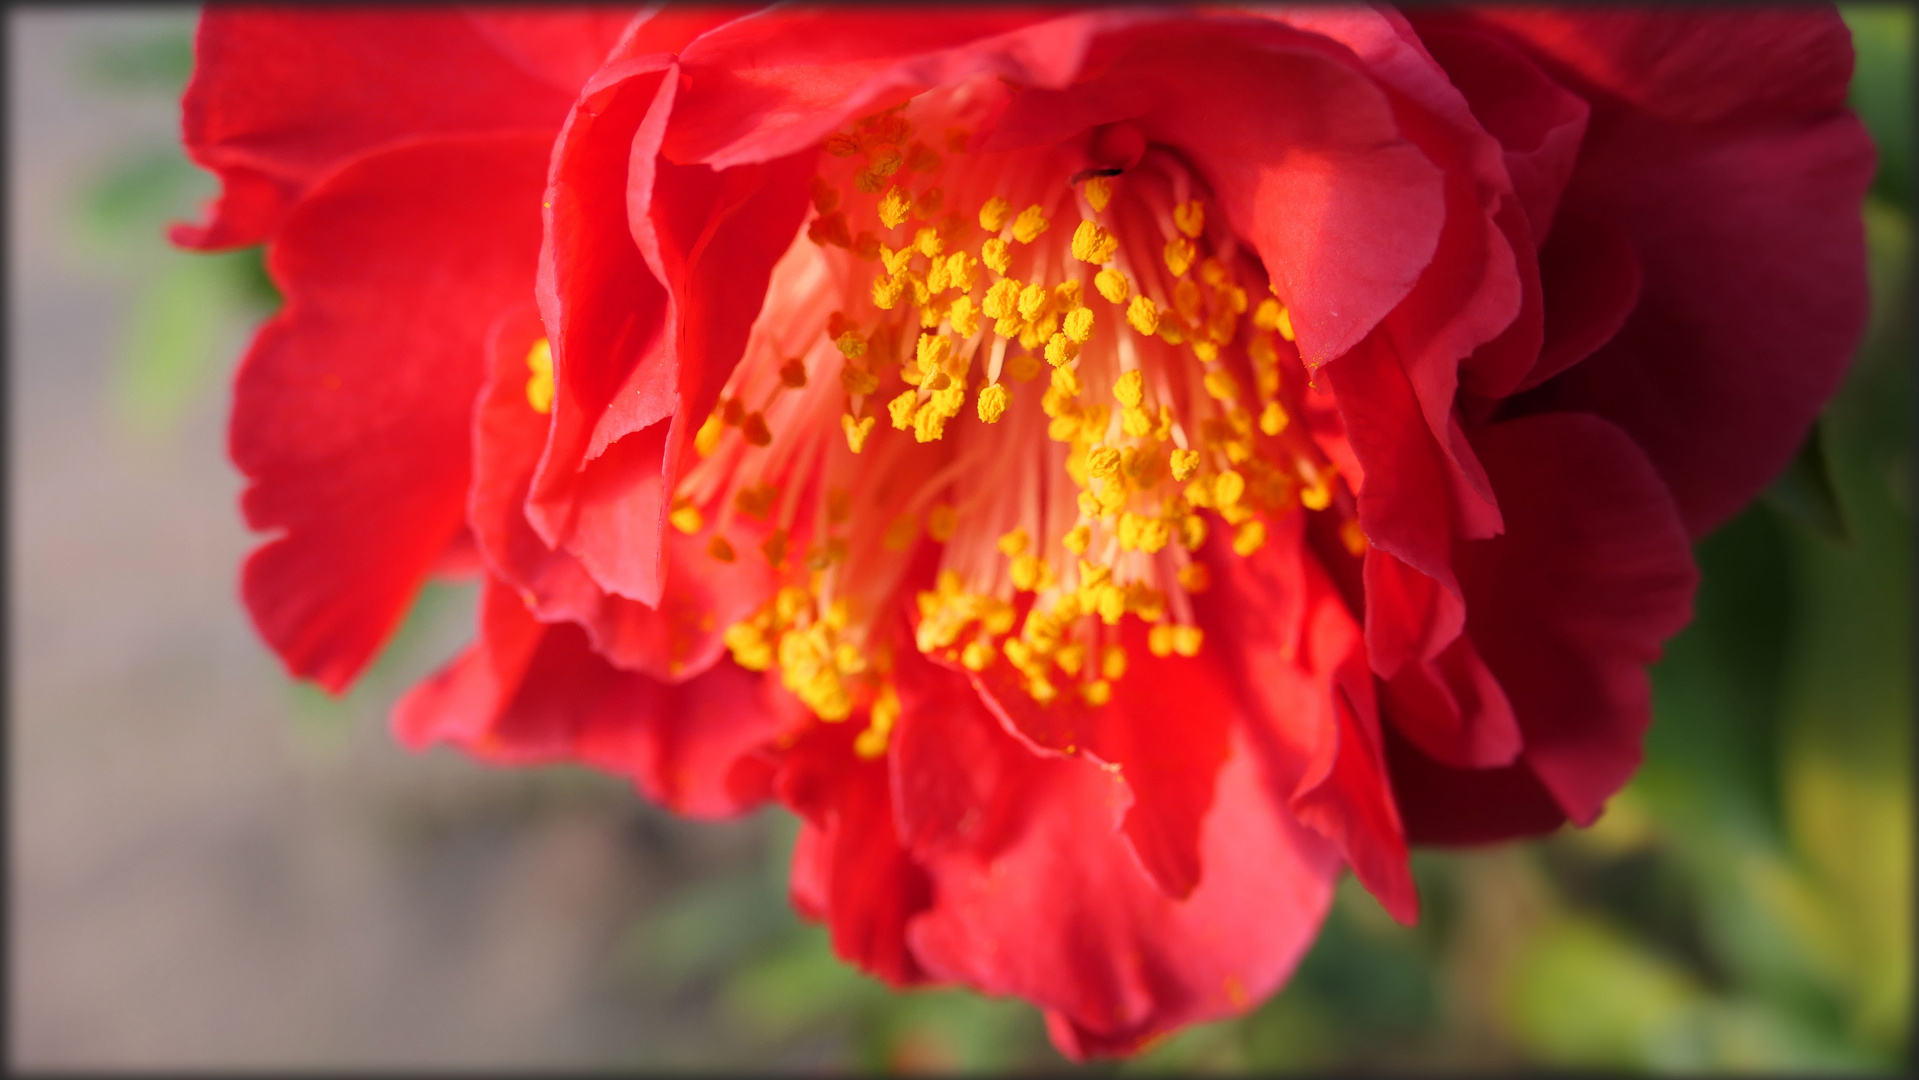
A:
972	304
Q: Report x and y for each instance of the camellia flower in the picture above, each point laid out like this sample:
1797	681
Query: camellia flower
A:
1106	471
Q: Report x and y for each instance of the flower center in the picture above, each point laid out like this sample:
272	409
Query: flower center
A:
1132	387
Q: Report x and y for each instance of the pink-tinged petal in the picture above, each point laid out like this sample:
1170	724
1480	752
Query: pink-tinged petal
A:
679	638
1163	735
529	693
1299	673
1568	607
281	96
1114	974
1746	227
850	866
351	409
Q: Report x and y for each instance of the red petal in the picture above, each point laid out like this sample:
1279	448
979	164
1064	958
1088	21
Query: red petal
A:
850	864
351	409
637	362
1062	916
1591	277
682	636
1720	145
1573	602
281	96
1300	676
530	693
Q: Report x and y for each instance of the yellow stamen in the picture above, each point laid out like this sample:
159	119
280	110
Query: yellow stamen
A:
857	431
992	216
1112	284
992	403
686	518
1190	218
539	381
941	521
1099	192
1143	315
1029	224
1092	244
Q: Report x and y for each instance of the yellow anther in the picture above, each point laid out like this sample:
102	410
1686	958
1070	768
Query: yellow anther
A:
1143	315
1285	326
1179	255
1089	504
930	200
1192	532
1103	462
1187	640
1185	464
1066	381
1092	575
687	519
1071	658
1194	577
756	501
1092	244
927	242
1113	284
899	533
1112	662
976	656
1112	603
1317	495
1154	535
1026	572
1136	422
1061	349
1353	537
941	521
1228	488
539	380
708	438
1213	272
1190	217
720	549
857	431
929	423
1130	389
996	254
992	403
1273	418
992	216
1097	693
962	270
1159	640
1015	543
1002	299
1042	691
1066	295
754	430
855	379
900	409
851	345
1076	539
1250	537
1078	324
1029	224
896	262
1032	301
1099	192
887	291
932	352
964	316
894	206
1221	385
1128	530
1023	366
1266	315
1170	333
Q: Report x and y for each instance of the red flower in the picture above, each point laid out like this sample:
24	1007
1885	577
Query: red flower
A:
1154	458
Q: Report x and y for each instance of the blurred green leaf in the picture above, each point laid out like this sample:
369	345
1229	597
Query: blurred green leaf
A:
1805	490
1882	89
158	59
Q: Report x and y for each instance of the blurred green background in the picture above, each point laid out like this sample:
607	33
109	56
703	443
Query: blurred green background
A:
1744	905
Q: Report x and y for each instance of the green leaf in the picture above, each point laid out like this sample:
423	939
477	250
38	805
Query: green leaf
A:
1805	491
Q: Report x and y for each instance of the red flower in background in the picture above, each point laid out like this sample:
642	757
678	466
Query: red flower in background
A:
1103	470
